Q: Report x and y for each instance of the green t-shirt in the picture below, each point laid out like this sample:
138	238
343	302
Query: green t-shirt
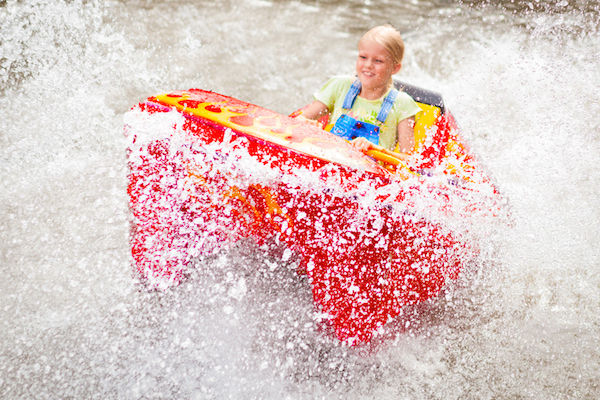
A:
332	94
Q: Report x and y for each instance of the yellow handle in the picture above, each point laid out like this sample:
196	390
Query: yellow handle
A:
385	157
395	161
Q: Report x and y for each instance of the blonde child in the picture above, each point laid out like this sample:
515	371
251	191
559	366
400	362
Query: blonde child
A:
367	109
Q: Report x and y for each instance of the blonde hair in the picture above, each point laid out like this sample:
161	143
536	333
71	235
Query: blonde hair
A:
389	37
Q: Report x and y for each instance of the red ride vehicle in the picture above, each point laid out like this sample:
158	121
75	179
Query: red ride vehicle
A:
374	232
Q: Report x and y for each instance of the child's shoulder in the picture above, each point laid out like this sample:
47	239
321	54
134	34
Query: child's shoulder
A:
403	97
337	85
405	106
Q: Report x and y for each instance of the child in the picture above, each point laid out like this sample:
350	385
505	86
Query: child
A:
367	109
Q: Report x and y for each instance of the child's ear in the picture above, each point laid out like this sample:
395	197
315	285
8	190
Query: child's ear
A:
397	68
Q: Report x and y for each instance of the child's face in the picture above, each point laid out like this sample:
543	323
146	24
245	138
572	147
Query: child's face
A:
374	65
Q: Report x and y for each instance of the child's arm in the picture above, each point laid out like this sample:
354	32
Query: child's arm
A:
406	135
314	110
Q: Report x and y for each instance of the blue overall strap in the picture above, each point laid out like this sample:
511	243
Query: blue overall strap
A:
351	95
387	105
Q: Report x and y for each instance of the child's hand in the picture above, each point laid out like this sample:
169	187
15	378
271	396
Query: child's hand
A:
361	144
313	122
